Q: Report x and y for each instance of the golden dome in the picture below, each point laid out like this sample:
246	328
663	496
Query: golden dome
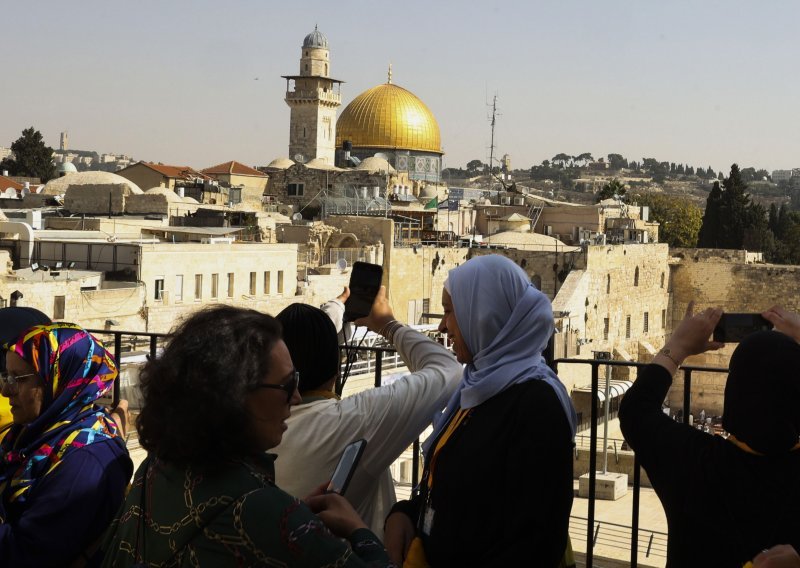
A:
388	116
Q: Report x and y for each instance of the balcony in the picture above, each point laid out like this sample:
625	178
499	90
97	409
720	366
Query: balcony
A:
618	542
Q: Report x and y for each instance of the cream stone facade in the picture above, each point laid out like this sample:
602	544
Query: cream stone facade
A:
313	97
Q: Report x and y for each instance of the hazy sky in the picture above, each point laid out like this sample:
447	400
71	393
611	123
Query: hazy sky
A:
198	82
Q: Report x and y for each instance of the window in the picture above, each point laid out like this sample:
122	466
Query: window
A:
235	195
636	277
662	279
627	327
605	328
280	282
646	326
215	286
267	283
59	307
608	283
179	288
295	189
198	286
159	289
252	283
230	284
663	319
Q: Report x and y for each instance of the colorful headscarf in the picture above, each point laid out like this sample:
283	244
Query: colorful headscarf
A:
76	370
506	323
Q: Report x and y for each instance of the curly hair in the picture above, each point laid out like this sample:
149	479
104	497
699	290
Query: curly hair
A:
193	394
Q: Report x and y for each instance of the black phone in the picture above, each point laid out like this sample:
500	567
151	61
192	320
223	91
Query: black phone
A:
733	328
346	466
365	281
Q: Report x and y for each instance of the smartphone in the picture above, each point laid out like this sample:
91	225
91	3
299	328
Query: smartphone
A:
733	328
346	466
365	281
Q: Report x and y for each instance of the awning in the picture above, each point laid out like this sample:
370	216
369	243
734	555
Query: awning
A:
615	389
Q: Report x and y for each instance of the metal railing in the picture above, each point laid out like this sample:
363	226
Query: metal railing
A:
637	480
609	534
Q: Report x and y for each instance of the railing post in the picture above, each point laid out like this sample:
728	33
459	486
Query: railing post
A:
592	465
687	394
117	360
637	484
378	367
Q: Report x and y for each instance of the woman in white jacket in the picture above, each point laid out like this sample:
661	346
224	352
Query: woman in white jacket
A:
390	417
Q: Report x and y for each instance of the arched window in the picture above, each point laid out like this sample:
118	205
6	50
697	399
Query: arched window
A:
662	279
608	283
523	263
326	68
536	280
636	277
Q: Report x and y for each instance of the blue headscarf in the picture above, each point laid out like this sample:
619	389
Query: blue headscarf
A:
506	323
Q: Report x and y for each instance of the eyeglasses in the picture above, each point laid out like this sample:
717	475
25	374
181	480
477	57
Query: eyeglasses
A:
289	386
11	380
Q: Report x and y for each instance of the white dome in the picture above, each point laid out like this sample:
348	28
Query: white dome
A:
171	196
59	186
375	164
280	163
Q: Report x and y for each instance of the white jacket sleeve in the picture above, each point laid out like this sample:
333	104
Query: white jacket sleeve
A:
393	416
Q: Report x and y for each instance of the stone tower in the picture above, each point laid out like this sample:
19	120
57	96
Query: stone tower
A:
313	97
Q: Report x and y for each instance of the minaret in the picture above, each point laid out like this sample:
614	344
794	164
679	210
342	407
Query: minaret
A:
312	124
63	142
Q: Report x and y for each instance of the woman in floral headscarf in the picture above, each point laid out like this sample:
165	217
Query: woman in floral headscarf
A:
63	468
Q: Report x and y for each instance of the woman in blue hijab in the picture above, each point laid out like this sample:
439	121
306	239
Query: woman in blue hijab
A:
497	486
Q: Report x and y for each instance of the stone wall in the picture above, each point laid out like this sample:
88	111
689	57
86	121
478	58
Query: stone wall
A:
96	199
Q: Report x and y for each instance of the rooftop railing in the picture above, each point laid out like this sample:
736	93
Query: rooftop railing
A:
651	543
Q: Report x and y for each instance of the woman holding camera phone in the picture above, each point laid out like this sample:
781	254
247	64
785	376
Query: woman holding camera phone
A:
497	487
725	499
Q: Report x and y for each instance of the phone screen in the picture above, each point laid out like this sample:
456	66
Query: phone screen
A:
365	281
733	328
346	466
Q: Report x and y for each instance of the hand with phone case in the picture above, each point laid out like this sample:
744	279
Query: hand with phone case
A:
784	321
691	337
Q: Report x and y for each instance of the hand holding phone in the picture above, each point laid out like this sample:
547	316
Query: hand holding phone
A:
365	281
733	328
346	466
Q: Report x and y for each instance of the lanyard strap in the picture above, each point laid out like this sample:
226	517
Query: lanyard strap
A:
455	422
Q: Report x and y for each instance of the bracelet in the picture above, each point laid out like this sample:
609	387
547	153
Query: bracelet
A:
666	353
390	329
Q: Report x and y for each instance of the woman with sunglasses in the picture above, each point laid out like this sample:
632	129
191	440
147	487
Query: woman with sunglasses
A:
213	404
63	466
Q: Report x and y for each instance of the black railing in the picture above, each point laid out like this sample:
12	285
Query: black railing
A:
593	528
595	364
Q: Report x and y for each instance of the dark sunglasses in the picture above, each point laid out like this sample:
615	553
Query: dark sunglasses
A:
289	387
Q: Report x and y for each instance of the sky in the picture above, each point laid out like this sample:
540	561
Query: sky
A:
197	83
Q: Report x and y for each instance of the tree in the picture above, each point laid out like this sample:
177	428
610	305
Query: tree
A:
617	162
730	214
709	235
678	218
584	158
474	165
612	189
31	157
561	159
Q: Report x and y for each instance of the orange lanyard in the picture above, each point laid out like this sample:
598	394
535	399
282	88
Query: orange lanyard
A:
455	422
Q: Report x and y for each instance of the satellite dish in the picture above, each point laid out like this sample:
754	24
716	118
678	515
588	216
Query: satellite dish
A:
341	264
300	158
297	216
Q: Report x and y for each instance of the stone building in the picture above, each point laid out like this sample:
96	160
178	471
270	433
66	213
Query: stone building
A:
313	97
250	183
